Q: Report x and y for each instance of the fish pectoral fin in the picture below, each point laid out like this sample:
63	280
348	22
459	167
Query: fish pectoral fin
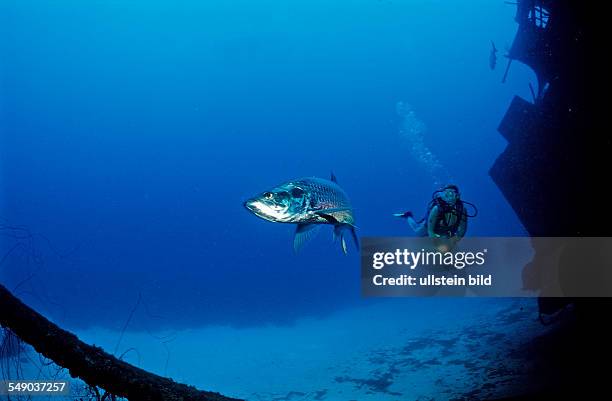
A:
303	234
337	232
330	219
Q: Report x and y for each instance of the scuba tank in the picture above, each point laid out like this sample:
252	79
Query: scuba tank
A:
445	209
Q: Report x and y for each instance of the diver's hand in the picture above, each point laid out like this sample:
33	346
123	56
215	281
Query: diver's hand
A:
404	215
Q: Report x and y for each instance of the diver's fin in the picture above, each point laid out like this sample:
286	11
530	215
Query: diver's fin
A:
330	219
404	215
303	233
333	177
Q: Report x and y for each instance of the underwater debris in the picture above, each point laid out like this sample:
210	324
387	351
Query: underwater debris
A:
10	344
90	363
493	56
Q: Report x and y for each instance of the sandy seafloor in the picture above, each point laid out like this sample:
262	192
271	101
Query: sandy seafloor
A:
390	350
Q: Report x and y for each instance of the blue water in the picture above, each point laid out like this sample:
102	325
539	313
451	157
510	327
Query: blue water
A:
131	133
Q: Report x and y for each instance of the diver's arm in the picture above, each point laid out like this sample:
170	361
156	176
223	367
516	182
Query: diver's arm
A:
431	222
462	225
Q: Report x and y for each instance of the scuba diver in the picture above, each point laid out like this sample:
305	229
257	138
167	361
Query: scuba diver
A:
446	216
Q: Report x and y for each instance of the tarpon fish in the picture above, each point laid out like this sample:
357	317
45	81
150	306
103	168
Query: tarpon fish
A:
309	203
493	56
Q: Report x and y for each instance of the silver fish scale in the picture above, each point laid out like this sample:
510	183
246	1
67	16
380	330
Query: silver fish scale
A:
326	194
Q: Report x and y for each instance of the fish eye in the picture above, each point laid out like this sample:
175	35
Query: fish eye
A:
268	195
297	192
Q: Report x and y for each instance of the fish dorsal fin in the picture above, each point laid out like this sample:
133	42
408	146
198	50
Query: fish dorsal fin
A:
303	234
333	177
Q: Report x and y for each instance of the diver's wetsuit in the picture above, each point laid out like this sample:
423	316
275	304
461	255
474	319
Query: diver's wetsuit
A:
443	221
